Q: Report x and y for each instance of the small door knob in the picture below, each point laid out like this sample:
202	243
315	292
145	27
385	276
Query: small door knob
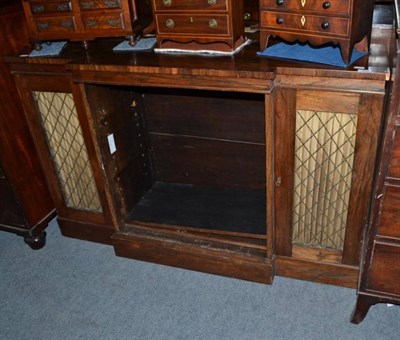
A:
325	25
326	5
91	23
213	23
41	26
62	8
169	23
280	2
167	3
280	21
66	24
38	9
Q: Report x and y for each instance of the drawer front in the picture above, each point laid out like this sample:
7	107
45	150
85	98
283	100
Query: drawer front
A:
322	7
109	22
185	5
394	165
389	224
192	25
305	23
384	273
55	24
87	5
42	7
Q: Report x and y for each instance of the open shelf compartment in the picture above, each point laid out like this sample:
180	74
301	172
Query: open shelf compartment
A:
184	159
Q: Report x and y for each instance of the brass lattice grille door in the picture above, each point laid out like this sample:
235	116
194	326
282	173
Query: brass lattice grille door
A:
68	151
324	155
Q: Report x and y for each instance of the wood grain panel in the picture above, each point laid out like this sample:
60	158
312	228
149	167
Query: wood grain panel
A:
389	224
185	253
327	101
226	115
394	164
216	163
381	276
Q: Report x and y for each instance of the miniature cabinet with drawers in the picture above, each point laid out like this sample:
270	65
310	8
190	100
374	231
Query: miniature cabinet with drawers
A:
203	24
343	22
81	20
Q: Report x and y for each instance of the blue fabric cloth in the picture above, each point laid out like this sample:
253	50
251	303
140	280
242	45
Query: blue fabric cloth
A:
328	55
143	44
49	49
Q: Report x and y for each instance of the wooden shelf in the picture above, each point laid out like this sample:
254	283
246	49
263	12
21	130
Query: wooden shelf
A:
225	209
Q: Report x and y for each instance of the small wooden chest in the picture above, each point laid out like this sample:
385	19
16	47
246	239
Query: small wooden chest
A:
203	24
342	22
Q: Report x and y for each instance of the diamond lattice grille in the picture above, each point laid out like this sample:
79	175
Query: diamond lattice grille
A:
68	150
324	154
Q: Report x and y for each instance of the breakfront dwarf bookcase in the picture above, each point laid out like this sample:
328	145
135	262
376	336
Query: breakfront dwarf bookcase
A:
239	166
25	203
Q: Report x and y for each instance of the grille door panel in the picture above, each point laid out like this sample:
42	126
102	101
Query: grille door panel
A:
324	155
68	151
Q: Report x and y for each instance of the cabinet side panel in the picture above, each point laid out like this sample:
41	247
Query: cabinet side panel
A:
17	152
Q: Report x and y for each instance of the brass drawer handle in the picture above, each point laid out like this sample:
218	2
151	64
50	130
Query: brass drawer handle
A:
167	3
62	8
112	3
91	23
212	2
38	9
67	24
169	23
213	23
42	26
113	22
280	21
87	4
326	5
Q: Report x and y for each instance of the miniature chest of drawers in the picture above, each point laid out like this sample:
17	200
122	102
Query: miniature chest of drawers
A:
342	22
202	24
80	20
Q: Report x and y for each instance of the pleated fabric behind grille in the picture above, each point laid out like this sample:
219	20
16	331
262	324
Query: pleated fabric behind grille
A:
68	150
324	154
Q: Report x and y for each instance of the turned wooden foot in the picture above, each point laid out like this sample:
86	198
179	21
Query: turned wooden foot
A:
85	45
133	40
36	242
37	45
